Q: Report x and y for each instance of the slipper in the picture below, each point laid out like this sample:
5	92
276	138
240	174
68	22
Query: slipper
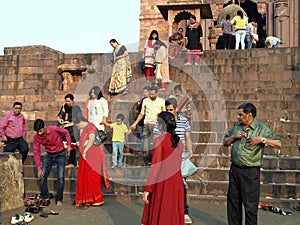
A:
16	219
52	213
297	207
44	215
23	223
28	217
33	209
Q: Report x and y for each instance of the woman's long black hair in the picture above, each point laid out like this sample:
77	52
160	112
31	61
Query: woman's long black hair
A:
167	120
97	92
153	32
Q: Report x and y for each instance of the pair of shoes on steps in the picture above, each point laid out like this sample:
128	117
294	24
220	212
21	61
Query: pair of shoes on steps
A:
187	219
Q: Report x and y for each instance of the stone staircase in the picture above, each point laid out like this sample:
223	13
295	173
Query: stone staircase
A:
268	78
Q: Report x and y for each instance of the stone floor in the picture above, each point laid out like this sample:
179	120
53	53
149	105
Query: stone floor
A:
125	212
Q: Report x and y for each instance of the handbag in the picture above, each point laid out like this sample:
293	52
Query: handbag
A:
100	137
142	66
188	168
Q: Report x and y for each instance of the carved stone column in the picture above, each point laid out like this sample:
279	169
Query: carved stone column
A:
281	21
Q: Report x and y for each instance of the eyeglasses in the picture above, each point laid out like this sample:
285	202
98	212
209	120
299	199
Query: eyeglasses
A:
18	108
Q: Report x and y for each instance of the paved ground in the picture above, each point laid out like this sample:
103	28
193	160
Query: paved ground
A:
124	212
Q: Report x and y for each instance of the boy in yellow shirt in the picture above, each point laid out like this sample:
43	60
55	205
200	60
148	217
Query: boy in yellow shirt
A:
120	132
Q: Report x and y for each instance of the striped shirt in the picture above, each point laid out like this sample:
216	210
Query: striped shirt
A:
182	126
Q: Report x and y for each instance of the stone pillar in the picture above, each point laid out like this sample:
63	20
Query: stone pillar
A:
281	21
294	23
270	18
11	181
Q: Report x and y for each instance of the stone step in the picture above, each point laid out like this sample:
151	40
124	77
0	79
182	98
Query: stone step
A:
195	188
216	161
202	199
129	172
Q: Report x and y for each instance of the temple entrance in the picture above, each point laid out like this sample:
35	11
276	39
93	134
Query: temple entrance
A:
252	12
181	20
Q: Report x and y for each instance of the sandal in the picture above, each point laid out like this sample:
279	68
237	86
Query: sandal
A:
45	202
52	213
33	209
44	215
82	206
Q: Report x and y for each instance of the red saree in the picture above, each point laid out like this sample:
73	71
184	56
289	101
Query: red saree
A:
91	172
165	185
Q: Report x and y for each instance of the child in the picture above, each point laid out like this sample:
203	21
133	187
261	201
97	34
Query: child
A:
120	130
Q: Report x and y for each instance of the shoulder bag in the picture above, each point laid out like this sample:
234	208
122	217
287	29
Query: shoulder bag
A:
100	137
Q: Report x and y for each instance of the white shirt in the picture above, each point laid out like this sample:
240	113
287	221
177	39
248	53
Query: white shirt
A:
97	109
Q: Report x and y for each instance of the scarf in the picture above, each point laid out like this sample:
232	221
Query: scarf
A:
150	44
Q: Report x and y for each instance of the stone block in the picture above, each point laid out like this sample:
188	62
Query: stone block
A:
32	98
12	184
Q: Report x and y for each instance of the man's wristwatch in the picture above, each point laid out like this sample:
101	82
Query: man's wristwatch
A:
263	140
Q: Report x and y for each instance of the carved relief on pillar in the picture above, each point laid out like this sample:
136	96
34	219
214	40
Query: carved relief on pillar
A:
67	81
281	8
70	73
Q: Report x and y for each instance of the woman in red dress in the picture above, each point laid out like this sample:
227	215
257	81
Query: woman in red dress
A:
163	193
92	167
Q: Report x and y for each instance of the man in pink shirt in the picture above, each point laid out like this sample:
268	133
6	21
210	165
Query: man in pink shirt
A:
51	138
13	131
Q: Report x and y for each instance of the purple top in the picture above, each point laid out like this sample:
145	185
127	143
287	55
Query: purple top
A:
227	27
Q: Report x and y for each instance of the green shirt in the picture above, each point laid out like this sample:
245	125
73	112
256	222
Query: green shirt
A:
241	153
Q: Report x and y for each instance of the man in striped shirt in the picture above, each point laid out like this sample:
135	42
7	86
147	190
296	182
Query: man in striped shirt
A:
183	130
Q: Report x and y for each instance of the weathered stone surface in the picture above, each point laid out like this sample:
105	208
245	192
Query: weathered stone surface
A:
11	181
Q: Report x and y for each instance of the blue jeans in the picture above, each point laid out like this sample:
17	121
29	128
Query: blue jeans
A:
49	160
248	41
118	147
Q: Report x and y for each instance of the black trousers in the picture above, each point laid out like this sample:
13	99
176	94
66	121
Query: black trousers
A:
75	136
226	38
14	144
186	206
244	189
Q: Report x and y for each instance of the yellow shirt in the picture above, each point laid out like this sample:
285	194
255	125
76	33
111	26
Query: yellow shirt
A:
240	24
118	132
150	109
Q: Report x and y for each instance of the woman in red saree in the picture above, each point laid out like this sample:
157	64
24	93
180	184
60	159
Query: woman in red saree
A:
92	167
163	193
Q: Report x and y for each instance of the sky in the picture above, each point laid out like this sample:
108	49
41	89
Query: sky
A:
70	26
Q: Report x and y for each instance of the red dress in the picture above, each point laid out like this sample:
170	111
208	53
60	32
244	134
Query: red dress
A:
91	172
165	185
